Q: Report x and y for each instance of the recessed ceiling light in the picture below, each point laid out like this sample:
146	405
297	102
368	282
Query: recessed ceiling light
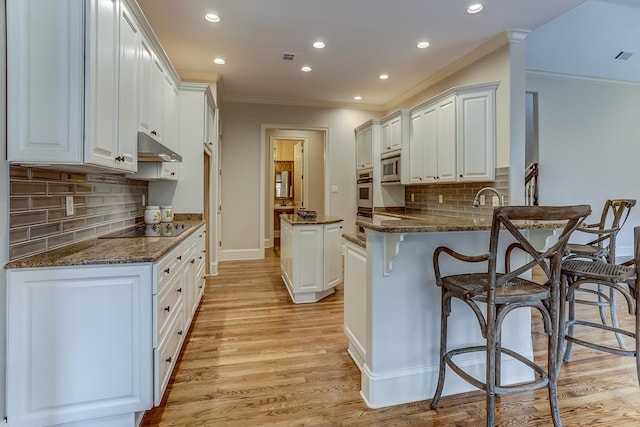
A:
319	45
305	69
475	8
423	45
383	76
357	98
219	61
212	17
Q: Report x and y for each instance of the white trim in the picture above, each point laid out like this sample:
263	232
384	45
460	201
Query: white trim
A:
241	254
554	74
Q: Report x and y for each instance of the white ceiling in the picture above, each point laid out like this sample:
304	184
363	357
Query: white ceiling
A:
367	37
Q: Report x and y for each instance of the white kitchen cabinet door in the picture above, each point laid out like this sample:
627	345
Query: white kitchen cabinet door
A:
355	301
286	252
446	136
170	116
308	258
45	81
411	169
78	343
128	92
101	73
394	132
476	136
144	94
332	242
156	107
364	136
429	144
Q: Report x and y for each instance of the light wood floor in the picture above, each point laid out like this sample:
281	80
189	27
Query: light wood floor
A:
255	359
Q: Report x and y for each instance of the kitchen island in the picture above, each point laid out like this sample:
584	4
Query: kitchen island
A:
310	256
394	338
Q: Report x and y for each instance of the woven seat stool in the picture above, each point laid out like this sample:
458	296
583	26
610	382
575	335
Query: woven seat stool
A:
603	246
580	272
502	293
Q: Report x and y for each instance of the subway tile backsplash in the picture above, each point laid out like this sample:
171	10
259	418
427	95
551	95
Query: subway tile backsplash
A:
457	198
37	204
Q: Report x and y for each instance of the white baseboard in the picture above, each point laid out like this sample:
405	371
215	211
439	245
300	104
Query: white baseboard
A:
241	254
390	388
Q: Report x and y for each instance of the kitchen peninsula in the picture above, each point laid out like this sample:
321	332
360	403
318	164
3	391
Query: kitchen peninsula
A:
310	256
395	337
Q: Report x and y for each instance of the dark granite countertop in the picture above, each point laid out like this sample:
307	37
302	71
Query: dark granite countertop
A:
108	251
295	219
354	238
421	223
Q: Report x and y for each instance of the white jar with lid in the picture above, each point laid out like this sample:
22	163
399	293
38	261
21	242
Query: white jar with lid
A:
166	213
152	215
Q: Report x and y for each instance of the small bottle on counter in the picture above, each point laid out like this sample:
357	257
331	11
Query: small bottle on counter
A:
167	213
152	215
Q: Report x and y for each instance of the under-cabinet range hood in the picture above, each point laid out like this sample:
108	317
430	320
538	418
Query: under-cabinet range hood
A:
150	150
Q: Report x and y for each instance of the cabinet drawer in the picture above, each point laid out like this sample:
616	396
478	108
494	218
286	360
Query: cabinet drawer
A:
170	300
164	357
168	266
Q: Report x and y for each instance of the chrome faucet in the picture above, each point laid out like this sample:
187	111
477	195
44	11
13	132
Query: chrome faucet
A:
476	201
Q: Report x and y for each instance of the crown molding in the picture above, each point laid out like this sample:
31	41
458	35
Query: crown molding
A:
299	103
567	76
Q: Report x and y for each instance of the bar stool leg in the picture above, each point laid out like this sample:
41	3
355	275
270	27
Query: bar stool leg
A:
444	315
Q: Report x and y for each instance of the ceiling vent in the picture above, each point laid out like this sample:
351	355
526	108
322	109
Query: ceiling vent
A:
623	56
288	56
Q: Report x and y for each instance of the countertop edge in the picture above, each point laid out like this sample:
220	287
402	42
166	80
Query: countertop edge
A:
295	219
353	238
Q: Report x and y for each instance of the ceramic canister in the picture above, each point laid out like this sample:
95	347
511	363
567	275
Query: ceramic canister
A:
167	213
152	215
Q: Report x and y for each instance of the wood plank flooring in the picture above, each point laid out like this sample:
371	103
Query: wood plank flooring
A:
255	359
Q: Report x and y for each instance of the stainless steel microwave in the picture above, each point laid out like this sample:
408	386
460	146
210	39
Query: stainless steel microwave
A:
390	171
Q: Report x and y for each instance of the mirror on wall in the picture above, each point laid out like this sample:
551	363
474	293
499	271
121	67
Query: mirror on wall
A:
282	185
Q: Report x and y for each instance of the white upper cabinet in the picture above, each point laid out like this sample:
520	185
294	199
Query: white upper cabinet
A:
365	135
452	137
45	81
128	92
75	83
170	115
476	135
394	132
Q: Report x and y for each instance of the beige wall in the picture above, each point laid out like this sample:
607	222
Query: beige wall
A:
589	142
241	138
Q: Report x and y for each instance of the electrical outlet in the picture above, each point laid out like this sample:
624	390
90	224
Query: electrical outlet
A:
69	205
144	202
495	201
440	199
482	200
413	197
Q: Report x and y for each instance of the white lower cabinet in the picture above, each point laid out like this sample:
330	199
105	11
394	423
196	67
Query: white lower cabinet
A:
355	301
310	259
78	343
94	344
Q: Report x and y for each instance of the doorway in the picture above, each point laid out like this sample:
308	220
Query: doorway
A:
308	177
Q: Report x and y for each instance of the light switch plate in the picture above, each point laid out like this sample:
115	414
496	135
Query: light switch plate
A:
440	199
495	201
69	205
482	200
334	188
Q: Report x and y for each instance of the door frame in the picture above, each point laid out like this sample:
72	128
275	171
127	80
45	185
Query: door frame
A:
267	171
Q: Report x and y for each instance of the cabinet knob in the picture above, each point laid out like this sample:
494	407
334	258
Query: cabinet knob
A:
167	308
179	290
153	132
193	260
179	332
173	173
168	359
460	175
179	257
167	270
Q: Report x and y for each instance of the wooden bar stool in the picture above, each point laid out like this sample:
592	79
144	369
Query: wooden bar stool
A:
603	246
502	293
618	278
